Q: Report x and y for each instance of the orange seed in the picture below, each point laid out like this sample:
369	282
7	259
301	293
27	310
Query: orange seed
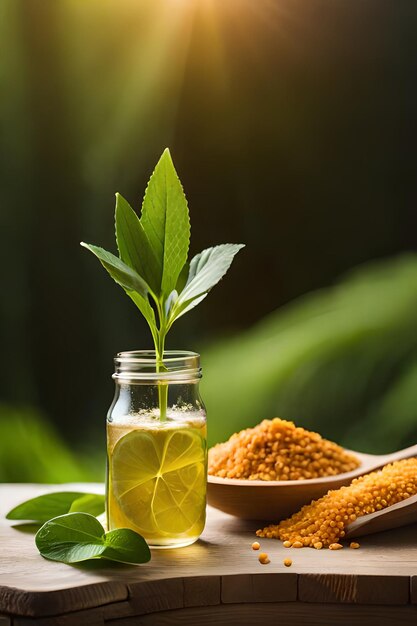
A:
263	558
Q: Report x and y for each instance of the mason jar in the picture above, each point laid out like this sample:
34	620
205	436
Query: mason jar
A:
157	448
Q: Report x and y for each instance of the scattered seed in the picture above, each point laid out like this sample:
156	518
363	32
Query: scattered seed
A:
263	558
256	545
287	562
297	544
287	544
354	545
335	546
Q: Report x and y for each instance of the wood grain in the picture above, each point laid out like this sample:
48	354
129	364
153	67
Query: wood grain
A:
212	577
202	591
288	614
92	617
243	588
354	589
152	596
413	589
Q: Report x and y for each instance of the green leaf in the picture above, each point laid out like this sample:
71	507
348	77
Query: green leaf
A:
183	308
126	546
133	244
166	222
71	538
88	503
206	269
144	307
42	508
124	275
182	278
77	537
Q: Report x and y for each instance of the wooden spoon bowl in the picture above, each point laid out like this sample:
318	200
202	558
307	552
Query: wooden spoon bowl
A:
276	500
394	516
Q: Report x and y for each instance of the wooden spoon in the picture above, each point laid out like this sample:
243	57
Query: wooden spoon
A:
276	500
393	516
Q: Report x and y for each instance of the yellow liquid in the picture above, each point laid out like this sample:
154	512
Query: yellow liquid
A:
157	476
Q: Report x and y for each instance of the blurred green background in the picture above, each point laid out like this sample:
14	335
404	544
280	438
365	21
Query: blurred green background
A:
292	126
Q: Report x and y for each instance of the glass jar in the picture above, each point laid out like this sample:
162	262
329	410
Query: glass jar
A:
157	448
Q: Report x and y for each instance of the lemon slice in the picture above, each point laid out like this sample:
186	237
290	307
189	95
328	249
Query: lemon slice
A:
159	479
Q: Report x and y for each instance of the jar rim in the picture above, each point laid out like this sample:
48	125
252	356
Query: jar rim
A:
142	365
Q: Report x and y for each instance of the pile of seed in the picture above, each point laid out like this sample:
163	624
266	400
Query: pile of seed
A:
322	523
278	450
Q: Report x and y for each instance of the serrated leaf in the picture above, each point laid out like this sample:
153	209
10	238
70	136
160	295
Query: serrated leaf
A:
166	222
133	244
124	275
77	537
44	507
207	268
183	308
182	278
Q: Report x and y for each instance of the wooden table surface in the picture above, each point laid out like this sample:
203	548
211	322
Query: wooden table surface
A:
218	579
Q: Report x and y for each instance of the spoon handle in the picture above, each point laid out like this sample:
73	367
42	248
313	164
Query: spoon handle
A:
406	453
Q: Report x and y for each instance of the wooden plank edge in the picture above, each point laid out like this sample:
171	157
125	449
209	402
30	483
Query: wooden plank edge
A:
16	602
119	599
354	589
271	614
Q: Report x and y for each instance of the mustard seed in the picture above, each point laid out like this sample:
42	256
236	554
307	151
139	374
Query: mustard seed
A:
324	521
263	558
278	450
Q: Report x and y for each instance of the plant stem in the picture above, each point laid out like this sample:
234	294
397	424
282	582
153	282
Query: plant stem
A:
160	367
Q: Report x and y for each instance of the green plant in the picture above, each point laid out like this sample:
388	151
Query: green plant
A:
152	265
77	537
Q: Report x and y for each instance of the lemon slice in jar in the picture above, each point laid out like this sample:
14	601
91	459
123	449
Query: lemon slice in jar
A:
158	479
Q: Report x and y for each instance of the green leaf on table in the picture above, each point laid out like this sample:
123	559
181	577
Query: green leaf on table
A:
166	222
206	269
42	508
126	546
124	275
88	503
133	244
78	537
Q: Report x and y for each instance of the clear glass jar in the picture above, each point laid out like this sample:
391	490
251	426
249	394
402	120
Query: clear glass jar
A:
157	464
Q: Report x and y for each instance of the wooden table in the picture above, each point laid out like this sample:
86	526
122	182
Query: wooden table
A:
217	580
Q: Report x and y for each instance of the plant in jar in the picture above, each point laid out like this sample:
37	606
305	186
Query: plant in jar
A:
157	463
